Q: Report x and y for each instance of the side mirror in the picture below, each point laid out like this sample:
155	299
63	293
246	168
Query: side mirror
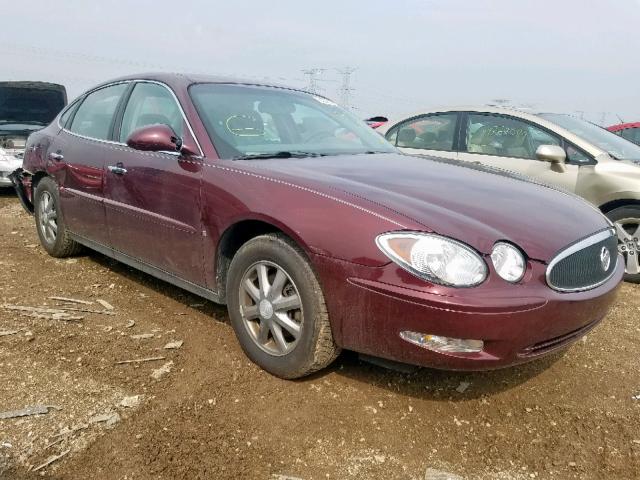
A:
551	153
154	138
159	138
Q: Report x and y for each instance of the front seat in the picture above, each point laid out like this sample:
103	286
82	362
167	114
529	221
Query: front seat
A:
151	119
480	141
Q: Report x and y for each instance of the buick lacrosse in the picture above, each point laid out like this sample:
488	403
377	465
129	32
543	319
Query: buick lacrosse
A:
315	232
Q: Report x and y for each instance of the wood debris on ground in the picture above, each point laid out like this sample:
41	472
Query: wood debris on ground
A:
42	312
6	333
106	305
71	300
158	373
28	411
51	460
142	336
174	345
140	360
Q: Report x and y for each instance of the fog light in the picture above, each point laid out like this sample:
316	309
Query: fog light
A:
443	344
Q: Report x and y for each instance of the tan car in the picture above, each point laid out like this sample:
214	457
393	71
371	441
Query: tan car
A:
553	148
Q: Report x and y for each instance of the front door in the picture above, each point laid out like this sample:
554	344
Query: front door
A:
433	134
510	143
152	199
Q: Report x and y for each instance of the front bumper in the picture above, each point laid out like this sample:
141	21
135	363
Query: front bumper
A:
22	184
369	307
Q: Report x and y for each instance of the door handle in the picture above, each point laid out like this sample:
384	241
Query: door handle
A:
56	156
117	169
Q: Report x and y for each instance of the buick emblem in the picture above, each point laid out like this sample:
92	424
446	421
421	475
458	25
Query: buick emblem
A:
605	258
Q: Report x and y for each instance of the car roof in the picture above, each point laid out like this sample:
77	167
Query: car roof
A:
528	114
183	80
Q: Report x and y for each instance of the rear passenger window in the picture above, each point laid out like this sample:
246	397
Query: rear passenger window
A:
94	116
434	132
64	118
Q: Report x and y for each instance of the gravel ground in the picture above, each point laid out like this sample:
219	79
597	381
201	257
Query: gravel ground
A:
203	411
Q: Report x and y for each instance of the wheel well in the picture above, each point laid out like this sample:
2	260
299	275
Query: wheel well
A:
232	239
35	178
607	207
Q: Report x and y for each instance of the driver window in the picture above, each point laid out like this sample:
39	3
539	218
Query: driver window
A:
150	104
505	136
434	132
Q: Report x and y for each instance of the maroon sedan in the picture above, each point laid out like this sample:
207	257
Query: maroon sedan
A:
317	233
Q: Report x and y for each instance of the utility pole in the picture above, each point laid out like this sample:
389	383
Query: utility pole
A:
312	75
346	89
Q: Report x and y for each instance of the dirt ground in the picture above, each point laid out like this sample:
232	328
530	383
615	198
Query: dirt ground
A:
214	415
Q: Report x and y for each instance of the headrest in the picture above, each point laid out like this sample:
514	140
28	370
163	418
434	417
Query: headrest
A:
406	135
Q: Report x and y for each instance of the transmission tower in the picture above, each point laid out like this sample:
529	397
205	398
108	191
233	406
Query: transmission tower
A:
500	102
346	89
313	75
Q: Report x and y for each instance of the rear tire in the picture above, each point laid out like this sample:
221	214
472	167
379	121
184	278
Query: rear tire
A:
627	222
277	308
52	230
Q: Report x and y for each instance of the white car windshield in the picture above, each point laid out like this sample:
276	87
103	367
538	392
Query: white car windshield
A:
616	146
246	121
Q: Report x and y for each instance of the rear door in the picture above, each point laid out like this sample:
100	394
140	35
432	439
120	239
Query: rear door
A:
435	134
76	159
510	143
153	199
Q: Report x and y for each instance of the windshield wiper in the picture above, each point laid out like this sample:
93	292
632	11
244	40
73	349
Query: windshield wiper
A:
282	154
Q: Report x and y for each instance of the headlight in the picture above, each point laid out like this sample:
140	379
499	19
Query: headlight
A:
508	262
434	258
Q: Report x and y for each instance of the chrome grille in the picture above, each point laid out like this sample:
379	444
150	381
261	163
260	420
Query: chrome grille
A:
585	264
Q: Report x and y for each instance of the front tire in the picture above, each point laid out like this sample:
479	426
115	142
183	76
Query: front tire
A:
277	308
627	222
52	230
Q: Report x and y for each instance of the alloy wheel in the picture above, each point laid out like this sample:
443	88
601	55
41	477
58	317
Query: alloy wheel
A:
48	217
628	230
271	308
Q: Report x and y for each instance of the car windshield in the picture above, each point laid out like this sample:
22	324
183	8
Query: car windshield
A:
246	121
616	146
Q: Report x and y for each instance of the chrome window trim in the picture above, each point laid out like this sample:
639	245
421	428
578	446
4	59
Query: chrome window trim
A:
576	247
112	142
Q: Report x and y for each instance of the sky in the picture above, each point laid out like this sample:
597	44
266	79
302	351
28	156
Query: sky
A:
557	55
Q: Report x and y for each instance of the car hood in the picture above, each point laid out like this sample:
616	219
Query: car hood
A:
30	102
475	204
